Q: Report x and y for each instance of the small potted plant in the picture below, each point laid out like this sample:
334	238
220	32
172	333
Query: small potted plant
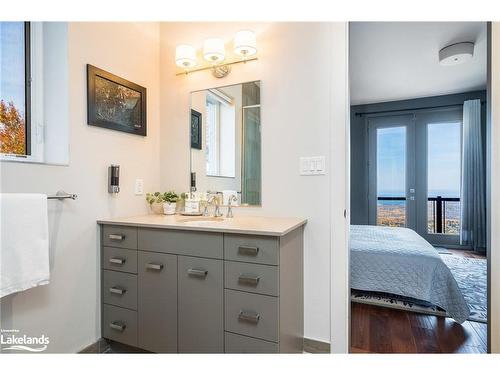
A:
169	202
155	201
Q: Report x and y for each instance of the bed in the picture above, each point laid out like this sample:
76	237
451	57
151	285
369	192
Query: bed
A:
399	261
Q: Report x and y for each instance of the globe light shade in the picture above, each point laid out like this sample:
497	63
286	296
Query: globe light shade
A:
185	56
213	50
245	43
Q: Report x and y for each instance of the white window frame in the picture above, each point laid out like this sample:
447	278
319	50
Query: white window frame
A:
36	103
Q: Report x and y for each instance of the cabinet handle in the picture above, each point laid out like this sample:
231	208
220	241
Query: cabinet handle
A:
249	316
118	326
154	266
117	260
248	250
197	272
246	279
117	290
116	237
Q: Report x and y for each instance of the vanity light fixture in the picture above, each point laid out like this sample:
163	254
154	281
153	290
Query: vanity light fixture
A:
213	50
214	54
185	56
245	43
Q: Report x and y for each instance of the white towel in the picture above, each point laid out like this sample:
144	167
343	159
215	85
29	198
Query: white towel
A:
24	253
226	194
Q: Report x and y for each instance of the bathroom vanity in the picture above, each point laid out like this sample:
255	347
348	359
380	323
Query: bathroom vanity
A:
172	284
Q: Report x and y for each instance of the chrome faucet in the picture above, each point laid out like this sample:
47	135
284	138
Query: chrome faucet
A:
231	199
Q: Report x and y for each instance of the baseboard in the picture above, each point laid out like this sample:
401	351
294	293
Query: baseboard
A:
316	347
98	347
103	346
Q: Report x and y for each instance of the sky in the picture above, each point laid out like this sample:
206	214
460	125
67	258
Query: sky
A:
444	145
12	63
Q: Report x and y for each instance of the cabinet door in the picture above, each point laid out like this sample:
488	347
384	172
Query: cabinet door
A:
157	308
201	319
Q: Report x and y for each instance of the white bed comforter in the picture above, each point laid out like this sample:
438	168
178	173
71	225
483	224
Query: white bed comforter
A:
399	261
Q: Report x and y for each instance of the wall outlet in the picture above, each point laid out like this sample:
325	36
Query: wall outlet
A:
139	186
312	165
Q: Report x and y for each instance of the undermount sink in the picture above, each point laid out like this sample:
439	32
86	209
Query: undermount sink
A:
201	219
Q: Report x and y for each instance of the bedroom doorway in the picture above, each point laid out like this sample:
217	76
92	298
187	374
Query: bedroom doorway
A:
418	166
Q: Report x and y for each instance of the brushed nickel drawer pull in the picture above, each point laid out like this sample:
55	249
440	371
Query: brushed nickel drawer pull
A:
248	316
197	272
117	260
154	266
117	290
116	237
118	326
248	250
246	279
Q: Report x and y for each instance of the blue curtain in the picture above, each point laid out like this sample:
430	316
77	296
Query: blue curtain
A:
473	195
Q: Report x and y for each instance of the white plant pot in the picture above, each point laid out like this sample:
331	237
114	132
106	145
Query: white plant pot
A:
169	208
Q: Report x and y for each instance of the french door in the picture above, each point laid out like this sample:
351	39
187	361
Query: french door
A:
391	166
415	173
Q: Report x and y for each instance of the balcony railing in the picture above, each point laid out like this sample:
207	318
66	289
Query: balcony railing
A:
443	214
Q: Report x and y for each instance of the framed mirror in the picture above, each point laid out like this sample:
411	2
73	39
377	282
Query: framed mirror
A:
225	133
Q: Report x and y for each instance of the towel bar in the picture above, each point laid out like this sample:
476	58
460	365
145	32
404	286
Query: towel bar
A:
62	195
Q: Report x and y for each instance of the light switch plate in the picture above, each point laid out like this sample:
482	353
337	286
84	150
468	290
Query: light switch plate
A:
139	186
312	165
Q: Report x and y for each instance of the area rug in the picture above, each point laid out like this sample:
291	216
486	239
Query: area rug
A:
470	274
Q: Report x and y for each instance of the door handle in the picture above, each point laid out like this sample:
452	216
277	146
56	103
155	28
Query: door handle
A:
117	290
154	266
249	316
248	250
246	279
197	272
118	326
117	260
116	237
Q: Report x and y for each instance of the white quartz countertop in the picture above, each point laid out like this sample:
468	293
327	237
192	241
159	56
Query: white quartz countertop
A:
265	226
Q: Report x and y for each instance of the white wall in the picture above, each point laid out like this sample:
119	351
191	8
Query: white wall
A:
298	108
67	309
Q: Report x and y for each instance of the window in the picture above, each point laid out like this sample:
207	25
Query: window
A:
212	137
20	85
15	88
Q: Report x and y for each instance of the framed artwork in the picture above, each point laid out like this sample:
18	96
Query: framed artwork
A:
196	138
115	103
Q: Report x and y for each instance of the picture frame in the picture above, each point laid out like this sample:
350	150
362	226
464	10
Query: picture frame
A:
196	130
115	103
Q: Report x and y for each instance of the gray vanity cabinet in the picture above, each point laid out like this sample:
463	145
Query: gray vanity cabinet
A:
188	291
201	316
157	298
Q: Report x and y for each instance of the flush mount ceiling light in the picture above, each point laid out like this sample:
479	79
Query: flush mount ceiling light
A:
213	50
245	49
245	43
457	53
185	56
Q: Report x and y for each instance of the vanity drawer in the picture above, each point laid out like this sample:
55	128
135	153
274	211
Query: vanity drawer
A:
119	289
251	315
254	249
116	259
243	344
119	324
119	236
201	244
253	278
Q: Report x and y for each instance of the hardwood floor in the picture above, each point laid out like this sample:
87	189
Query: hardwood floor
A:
377	329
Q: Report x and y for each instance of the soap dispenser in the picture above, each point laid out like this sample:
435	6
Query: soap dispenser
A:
114	179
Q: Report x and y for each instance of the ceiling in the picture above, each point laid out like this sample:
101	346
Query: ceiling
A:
399	60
